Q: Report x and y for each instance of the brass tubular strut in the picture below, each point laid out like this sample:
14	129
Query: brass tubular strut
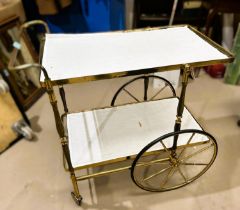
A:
61	132
88	176
102	173
186	72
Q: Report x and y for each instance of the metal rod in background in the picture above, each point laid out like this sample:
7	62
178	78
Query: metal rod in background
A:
173	12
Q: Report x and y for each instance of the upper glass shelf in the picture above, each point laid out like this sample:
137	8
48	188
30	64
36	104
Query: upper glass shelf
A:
71	58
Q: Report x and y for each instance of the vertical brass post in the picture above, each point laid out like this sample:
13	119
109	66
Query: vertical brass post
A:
61	133
186	72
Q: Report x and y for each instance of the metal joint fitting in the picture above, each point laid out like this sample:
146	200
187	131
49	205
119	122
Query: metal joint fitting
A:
48	84
186	72
178	120
64	141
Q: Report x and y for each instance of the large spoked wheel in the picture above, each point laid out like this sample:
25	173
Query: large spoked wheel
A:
149	93
159	168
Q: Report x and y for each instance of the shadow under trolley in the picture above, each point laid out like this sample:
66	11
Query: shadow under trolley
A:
166	146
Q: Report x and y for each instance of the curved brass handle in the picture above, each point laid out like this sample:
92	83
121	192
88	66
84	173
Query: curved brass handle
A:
15	51
11	66
32	23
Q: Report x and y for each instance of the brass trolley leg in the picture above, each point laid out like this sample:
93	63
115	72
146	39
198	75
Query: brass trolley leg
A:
75	195
60	128
186	72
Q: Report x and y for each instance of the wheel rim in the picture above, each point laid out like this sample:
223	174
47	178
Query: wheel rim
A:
129	89
158	168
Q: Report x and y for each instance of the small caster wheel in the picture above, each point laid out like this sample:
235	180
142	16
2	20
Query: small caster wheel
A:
23	129
77	199
27	133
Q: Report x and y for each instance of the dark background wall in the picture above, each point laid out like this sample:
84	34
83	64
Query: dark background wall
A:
82	16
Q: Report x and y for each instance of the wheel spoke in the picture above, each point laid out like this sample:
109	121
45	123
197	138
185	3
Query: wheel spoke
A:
197	143
194	164
158	92
165	148
168	176
126	91
188	142
156	174
181	173
196	153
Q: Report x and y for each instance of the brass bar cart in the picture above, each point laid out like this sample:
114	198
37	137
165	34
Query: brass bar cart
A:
166	146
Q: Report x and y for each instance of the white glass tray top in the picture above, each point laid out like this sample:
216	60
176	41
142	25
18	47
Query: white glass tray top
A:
111	133
67	56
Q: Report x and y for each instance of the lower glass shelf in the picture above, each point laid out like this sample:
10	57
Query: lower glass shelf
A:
115	133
